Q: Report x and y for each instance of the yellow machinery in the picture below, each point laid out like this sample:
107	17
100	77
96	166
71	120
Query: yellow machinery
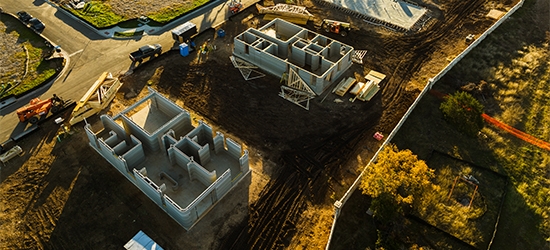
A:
97	98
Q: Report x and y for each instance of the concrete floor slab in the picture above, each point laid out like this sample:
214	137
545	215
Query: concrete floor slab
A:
188	190
221	162
150	119
399	13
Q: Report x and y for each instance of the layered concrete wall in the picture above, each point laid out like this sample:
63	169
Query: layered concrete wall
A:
219	141
127	146
148	187
243	162
193	168
180	121
135	155
280	45
108	148
197	172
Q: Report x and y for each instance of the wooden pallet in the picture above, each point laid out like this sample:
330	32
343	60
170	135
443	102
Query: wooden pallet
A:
296	20
344	86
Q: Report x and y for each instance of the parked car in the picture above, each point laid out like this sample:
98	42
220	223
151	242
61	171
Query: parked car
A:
24	16
36	24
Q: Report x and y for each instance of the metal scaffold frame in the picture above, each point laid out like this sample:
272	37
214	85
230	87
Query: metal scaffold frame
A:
296	90
246	68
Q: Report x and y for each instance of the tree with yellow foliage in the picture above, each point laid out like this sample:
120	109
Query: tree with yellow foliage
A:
394	181
397	177
398	173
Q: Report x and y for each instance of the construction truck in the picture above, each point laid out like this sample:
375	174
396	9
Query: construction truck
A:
39	109
336	27
96	98
147	51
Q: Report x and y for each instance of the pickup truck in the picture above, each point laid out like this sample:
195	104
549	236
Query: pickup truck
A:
146	51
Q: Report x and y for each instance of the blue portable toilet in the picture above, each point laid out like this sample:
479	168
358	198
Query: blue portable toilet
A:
184	49
221	33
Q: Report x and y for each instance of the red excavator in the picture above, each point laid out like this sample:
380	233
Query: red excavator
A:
40	108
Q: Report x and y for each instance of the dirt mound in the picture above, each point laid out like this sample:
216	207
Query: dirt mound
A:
316	152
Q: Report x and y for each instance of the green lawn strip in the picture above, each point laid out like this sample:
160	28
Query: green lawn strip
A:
516	216
169	13
38	69
425	234
451	211
498	151
98	13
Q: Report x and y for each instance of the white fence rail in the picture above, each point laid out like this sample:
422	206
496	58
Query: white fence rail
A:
340	203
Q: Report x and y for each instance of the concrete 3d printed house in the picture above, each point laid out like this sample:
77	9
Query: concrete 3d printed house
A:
184	169
280	46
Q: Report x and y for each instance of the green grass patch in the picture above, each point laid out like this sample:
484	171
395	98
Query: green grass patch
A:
169	13
99	14
38	71
465	209
518	97
428	235
514	61
128	34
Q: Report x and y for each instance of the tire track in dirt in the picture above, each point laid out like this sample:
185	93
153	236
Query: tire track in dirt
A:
35	204
415	51
303	179
423	44
304	173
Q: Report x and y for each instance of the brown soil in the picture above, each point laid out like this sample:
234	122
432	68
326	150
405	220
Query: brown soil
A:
62	195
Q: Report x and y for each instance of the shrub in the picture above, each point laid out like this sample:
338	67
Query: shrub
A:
464	112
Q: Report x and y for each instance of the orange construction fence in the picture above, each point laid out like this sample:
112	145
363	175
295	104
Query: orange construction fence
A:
516	132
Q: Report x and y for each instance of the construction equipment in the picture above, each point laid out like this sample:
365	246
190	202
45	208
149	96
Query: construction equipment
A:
97	98
235	7
39	109
336	27
291	13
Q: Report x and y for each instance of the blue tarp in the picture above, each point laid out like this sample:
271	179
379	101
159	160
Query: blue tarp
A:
142	242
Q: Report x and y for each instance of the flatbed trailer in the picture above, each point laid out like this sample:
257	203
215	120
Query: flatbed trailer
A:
96	98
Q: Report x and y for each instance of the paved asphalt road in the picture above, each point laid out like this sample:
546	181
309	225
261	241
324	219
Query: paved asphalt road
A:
89	53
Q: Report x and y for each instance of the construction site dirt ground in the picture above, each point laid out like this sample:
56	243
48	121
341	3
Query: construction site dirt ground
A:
63	195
